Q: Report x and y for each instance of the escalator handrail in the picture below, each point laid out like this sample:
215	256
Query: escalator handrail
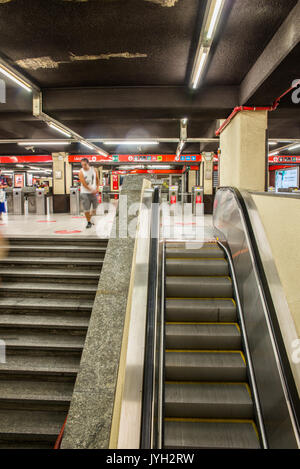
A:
270	308
148	379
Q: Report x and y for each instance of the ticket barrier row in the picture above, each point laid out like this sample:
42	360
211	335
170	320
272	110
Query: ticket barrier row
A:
34	201
75	203
197	196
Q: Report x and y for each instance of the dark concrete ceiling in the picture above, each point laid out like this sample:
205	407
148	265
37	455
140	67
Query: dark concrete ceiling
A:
121	68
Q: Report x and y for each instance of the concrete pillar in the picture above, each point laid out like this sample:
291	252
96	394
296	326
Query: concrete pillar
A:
62	175
242	162
192	180
208	171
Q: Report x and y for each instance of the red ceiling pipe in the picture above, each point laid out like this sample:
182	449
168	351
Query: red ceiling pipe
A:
247	108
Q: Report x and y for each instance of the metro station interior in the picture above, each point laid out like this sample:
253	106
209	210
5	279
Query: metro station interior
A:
150	224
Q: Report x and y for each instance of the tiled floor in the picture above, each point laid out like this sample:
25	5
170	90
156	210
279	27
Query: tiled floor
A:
173	227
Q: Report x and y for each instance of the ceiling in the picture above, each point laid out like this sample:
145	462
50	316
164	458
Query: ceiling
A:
121	69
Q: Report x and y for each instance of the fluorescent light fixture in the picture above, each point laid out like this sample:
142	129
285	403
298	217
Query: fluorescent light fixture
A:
14	77
273	143
214	18
59	129
44	142
20	165
294	147
200	68
87	145
274	153
131	142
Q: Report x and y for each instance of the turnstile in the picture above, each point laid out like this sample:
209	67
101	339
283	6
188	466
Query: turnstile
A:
197	197
44	202
9	201
74	201
18	201
173	195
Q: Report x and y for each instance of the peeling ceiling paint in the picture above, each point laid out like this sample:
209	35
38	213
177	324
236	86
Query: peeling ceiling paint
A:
164	3
49	63
118	55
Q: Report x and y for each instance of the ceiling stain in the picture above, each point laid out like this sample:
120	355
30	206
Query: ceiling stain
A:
49	63
39	62
164	3
118	55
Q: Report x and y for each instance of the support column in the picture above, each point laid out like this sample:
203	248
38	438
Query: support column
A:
208	168
192	180
62	180
242	162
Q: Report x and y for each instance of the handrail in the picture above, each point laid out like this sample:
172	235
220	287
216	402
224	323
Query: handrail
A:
270	308
148	381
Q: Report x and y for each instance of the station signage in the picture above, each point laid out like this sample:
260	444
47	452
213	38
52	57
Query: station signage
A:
275	159
26	159
136	158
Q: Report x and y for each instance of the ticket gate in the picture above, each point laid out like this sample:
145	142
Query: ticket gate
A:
18	201
74	201
9	201
197	198
44	203
173	195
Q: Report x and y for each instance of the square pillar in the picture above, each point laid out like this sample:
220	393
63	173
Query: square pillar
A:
242	163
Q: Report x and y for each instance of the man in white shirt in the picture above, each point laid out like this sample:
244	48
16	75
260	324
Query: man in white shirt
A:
89	179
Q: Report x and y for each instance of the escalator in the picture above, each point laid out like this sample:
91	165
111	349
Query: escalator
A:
217	373
207	395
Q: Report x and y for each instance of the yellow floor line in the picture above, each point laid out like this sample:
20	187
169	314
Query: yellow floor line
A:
207	351
200	299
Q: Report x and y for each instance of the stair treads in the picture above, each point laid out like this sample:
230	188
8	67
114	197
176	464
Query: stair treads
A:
210	435
37	365
208	400
196	267
36	425
57	248
51	260
35	391
44	287
41	341
205	366
44	321
200	310
197	287
48	273
203	336
46	304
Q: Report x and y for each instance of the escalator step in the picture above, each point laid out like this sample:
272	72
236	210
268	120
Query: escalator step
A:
196	252
205	366
199	287
196	267
211	434
208	400
203	336
200	310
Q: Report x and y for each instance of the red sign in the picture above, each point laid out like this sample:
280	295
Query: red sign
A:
284	159
26	159
198	199
173	199
115	182
137	158
19	180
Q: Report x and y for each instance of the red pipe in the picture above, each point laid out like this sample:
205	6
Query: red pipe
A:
60	436
247	108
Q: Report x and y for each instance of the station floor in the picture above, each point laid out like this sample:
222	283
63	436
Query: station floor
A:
75	226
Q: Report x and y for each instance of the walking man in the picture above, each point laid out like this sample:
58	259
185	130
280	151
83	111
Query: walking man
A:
89	179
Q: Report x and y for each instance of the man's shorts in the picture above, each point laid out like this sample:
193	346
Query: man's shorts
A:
88	200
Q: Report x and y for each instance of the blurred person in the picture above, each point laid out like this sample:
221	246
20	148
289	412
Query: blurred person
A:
3	185
89	180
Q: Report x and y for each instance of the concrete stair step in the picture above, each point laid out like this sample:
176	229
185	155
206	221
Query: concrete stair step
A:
22	425
54	262
30	289
35	394
57	241
49	275
34	305
34	366
45	321
54	251
42	341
